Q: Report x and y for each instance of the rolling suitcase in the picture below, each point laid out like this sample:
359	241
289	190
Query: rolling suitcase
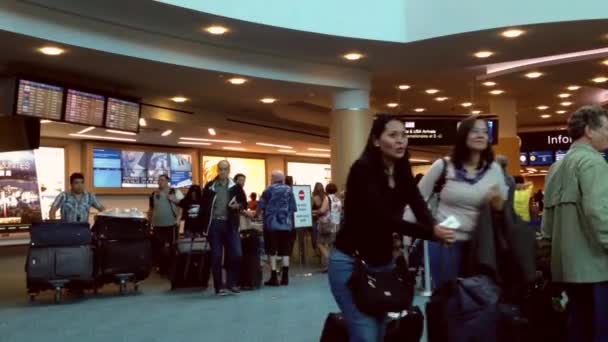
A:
121	228
191	265
334	329
251	269
406	326
56	233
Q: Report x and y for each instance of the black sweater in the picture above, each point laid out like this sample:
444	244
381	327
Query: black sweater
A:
373	212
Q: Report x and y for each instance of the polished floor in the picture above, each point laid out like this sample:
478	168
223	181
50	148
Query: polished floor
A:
295	313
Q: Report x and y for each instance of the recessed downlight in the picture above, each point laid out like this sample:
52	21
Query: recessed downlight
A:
237	80
403	87
432	91
605	62
512	33
475	112
534	74
497	92
51	50
489	83
179	99
419	110
441	99
600	79
392	105
212	131
353	56
143	122
545	116
216	30
574	87
560	111
483	54
542	107
566	103
564	95
466	104
268	100
166	133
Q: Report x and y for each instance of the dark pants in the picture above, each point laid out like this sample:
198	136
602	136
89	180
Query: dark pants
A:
162	240
588	312
225	238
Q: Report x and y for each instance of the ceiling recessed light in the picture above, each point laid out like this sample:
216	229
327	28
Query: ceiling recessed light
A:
194	143
574	87
234	148
497	92
319	149
545	116
51	50
441	99
88	129
534	74
237	80
287	151
564	95
560	111
466	104
212	131
45	121
605	62
600	79
392	105
179	99
432	91
210	140
274	145
512	33
142	122
475	112
483	54
268	100
353	56
566	103
216	29
489	84
88	136
419	110
120	132
542	107
166	133
403	87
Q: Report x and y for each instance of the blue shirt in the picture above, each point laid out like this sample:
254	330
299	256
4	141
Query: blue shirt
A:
279	205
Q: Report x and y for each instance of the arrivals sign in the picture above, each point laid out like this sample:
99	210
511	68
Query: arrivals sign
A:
303	215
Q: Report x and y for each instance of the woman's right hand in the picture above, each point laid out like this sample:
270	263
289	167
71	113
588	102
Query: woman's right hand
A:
445	235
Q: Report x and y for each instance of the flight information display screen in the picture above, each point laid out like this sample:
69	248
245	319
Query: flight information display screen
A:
122	115
84	108
39	99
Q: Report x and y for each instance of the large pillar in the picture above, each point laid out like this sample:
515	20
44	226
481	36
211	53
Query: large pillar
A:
508	141
350	124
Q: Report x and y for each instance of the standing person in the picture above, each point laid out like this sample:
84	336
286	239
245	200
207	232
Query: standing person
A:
223	201
539	199
240	179
164	216
472	179
277	205
379	186
75	204
321	222
522	199
576	222
329	223
191	209
253	202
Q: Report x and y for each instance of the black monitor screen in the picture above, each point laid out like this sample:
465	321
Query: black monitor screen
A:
39	99
122	115
84	108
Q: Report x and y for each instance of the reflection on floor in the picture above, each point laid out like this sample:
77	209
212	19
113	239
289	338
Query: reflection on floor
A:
295	313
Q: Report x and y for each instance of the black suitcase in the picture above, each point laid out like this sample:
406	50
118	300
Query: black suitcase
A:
121	228
251	268
116	258
406	327
191	266
335	329
57	233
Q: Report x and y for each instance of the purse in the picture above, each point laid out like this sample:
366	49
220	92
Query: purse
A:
378	293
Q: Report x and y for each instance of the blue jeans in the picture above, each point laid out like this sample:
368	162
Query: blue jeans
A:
224	237
588	312
361	327
446	261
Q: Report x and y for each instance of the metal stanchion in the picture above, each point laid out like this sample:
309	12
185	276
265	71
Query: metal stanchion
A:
427	271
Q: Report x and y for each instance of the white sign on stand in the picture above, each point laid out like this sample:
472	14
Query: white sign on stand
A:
303	215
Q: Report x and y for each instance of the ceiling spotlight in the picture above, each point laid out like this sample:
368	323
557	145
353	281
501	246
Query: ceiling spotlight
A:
353	56
166	133
392	105
51	50
466	104
475	112
600	79
212	131
512	33
542	107
268	100
605	62
179	99
564	95
419	110
403	87
534	74
216	29
483	54
432	91
545	116
566	104
560	111
574	87
142	122
237	80
441	99
489	84
497	92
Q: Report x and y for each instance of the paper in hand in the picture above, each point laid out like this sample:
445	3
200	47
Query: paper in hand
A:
450	222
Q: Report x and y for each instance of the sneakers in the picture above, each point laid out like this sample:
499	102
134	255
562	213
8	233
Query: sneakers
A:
235	290
221	293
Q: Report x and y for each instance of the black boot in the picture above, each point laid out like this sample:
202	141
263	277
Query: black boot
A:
285	276
274	280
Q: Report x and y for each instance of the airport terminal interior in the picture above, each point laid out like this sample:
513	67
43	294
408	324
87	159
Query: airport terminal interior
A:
125	92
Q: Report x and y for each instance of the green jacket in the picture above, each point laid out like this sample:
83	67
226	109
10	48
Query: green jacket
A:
576	216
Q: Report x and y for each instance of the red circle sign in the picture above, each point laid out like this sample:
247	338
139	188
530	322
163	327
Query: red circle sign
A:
301	195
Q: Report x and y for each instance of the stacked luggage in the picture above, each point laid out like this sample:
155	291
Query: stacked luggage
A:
191	266
60	256
123	251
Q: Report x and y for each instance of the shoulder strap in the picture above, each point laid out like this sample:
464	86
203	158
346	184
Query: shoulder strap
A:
172	192
440	183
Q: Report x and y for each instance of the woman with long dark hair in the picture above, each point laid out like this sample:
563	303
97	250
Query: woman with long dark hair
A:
321	219
191	204
379	187
472	179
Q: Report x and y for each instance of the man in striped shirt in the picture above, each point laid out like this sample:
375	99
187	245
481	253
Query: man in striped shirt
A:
75	204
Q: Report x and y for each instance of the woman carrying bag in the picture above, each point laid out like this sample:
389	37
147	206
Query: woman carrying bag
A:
380	185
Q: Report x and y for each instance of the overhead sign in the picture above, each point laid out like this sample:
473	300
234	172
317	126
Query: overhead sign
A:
303	215
550	140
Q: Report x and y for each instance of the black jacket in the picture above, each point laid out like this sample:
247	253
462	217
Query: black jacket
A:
373	212
208	202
